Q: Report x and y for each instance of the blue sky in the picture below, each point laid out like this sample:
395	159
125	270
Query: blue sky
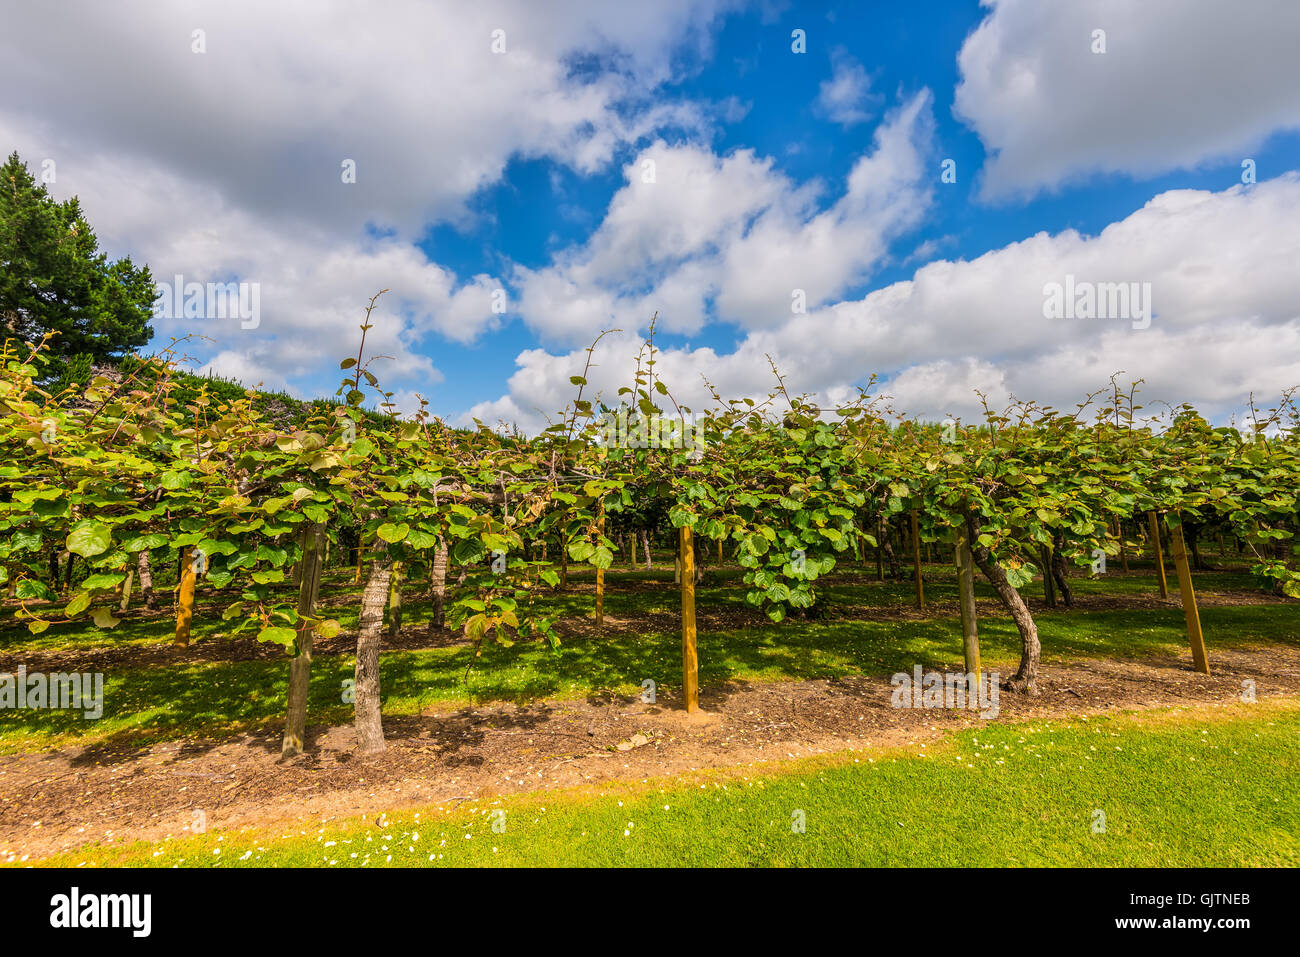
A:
482	170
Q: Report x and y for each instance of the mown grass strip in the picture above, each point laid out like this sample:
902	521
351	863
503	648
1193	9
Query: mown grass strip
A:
1211	787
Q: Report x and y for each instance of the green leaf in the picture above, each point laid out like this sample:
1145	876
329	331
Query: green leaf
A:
175	480
103	618
89	538
100	582
328	628
278	635
418	538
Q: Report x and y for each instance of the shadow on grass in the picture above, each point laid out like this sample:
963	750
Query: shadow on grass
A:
213	700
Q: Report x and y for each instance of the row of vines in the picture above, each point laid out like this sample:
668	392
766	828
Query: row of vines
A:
123	477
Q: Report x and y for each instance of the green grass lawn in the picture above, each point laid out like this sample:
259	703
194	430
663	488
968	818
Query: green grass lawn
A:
211	699
1184	788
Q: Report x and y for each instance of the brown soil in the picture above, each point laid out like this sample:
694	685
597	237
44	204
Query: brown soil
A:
113	794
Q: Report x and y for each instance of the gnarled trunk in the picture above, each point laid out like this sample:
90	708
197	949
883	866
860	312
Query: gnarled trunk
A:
367	718
1049	591
1192	533
1026	677
310	565
145	574
438	597
395	601
1060	570
895	569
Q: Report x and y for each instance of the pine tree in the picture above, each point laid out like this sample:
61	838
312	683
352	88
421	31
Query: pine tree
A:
54	278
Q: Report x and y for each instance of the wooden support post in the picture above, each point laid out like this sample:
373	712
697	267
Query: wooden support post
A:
313	561
690	656
719	551
1159	553
1049	586
185	599
296	569
880	550
126	589
1123	552
395	600
916	560
970	642
600	574
1189	601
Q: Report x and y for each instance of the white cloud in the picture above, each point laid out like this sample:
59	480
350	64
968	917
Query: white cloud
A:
227	164
1224	285
846	97
697	237
1182	82
285	92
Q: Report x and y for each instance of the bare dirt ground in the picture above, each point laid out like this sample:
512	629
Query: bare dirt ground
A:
50	802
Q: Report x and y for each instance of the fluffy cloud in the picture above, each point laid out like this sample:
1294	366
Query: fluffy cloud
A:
1224	288
1181	82
698	237
846	97
227	164
285	92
